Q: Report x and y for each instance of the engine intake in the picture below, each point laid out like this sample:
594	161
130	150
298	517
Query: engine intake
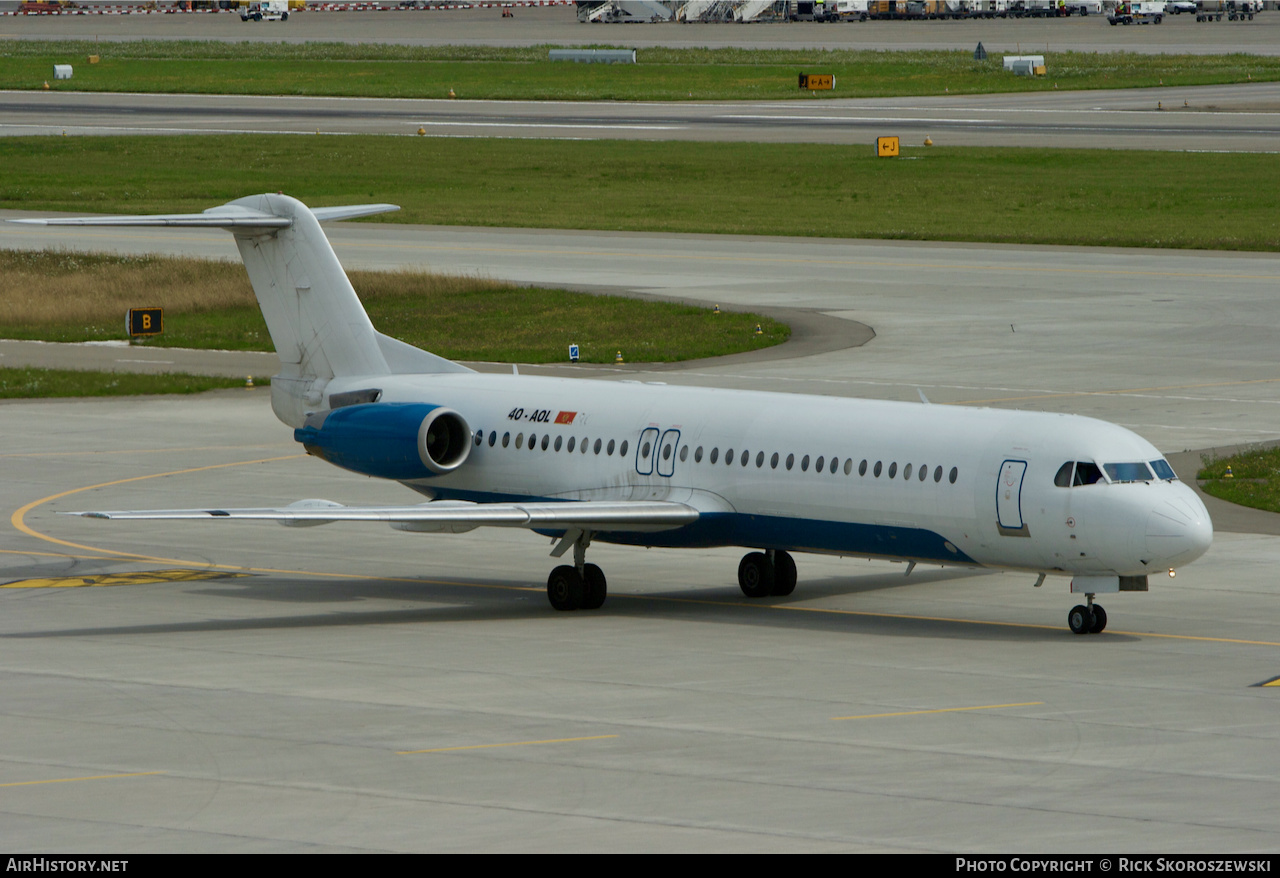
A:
444	440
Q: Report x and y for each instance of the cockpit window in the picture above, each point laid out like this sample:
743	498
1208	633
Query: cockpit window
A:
1063	478
1163	470
1128	472
1074	473
1086	473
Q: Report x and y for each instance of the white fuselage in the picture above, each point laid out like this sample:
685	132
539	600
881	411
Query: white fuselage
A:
987	497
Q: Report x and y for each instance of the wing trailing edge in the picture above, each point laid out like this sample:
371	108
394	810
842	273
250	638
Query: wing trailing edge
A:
594	515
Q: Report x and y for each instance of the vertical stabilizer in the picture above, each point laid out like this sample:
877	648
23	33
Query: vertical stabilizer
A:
316	321
319	328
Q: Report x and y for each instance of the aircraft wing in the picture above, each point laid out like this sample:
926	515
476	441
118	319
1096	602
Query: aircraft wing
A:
592	515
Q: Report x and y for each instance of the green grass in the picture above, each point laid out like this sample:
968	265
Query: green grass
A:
665	74
1026	196
510	325
59	296
1254	481
48	383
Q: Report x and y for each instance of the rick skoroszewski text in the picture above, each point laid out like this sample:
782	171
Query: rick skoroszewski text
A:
1114	864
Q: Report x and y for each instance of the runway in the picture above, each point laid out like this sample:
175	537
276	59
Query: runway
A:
360	689
1204	118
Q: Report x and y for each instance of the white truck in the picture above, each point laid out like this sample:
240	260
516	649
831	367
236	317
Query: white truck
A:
1137	13
266	10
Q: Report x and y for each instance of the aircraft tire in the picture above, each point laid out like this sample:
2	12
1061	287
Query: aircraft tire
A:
595	588
1099	620
784	574
755	575
1080	620
565	588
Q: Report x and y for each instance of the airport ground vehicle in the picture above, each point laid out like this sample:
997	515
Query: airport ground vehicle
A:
266	10
1232	10
1137	13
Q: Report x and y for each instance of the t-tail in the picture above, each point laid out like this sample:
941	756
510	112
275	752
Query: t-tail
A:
319	328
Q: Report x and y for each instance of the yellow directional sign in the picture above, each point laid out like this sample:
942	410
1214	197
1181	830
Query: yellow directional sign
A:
139	577
886	147
818	81
1274	681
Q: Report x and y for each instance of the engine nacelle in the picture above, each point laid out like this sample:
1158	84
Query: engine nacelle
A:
390	440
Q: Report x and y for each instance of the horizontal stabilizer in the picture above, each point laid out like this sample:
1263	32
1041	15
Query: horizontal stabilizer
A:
596	515
228	216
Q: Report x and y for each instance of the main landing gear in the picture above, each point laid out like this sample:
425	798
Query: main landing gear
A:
765	574
580	587
1089	619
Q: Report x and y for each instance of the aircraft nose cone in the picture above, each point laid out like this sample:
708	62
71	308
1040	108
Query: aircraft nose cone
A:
1179	529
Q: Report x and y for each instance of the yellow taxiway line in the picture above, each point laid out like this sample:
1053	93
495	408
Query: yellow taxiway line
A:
509	744
18	521
29	783
940	710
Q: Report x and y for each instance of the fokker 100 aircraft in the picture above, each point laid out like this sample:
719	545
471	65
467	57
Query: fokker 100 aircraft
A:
655	465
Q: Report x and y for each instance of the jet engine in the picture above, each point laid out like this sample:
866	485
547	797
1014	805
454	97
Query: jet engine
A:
390	440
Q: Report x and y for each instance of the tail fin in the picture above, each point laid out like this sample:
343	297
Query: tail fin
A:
319	328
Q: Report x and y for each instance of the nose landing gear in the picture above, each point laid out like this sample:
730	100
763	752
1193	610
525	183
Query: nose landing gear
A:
1088	619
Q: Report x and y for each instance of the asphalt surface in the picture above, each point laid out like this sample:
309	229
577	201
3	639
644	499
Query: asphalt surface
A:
1205	118
357	689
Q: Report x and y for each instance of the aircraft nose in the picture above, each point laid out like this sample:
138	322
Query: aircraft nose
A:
1179	529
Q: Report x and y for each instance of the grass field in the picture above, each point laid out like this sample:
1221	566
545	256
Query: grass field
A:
666	74
1028	196
60	296
49	383
1254	480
